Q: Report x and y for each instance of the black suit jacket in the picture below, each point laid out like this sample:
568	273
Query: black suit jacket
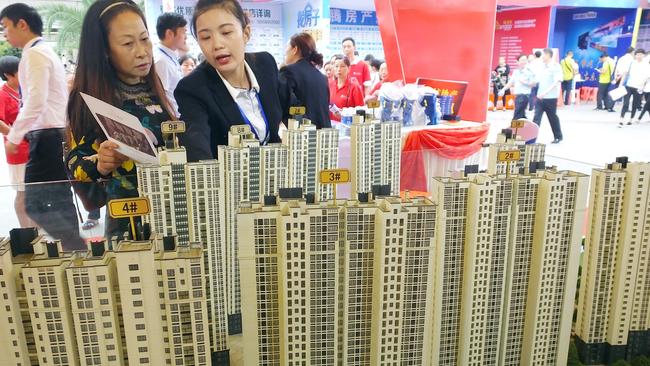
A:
303	85
209	110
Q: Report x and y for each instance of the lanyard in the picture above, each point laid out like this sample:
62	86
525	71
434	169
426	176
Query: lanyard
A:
168	56
20	90
248	122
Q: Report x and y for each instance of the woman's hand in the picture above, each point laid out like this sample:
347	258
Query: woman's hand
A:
108	159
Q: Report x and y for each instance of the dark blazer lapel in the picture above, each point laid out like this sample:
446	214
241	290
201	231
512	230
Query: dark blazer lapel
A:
223	100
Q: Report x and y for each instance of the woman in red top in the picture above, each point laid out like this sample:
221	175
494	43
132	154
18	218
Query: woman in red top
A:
9	106
345	91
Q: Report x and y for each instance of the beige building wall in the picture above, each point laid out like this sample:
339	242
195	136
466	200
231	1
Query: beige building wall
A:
205	218
94	298
141	298
16	334
524	204
614	293
303	286
49	308
375	154
487	240
451	195
554	267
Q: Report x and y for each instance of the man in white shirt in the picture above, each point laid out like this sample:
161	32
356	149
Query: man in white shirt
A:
41	121
623	66
172	32
549	90
536	65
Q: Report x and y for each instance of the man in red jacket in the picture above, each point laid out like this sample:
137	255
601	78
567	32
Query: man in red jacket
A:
358	69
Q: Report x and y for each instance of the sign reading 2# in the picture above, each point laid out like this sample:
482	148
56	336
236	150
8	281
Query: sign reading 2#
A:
505	156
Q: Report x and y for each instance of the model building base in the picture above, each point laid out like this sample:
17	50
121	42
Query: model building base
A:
234	324
220	358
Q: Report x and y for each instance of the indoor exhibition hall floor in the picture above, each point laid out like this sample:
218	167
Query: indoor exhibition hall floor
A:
591	137
591	140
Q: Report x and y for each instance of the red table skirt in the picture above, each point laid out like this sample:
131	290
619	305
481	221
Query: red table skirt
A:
449	143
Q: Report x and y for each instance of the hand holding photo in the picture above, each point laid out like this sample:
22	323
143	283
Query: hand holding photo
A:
124	129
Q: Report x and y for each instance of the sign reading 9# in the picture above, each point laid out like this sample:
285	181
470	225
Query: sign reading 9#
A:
172	127
334	176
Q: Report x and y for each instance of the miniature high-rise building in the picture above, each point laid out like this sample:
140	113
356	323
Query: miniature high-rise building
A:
487	233
242	166
185	200
164	184
310	151
613	319
513	241
376	155
530	153
203	195
17	333
143	303
451	196
348	283
49	307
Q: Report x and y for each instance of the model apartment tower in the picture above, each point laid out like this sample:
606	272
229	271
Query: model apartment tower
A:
184	198
510	248
143	303
338	283
613	315
530	154
310	151
248	172
376	155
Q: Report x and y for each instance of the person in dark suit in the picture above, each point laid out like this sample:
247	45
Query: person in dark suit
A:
230	87
302	84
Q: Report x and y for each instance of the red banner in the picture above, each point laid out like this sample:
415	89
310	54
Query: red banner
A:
441	39
451	143
519	32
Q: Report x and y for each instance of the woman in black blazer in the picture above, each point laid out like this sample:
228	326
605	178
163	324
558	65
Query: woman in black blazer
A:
302	84
230	87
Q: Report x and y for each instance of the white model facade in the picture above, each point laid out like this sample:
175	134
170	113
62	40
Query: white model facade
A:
310	151
514	241
376	155
242	165
303	285
613	313
138	303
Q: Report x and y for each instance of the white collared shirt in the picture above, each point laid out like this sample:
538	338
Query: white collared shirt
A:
43	88
248	103
638	75
624	64
169	72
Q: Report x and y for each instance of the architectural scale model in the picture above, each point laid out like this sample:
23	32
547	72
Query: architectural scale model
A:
613	319
184	199
530	154
333	283
142	303
247	172
310	151
376	155
508	266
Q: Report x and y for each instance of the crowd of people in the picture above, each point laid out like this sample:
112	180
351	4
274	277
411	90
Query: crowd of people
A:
539	81
41	109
